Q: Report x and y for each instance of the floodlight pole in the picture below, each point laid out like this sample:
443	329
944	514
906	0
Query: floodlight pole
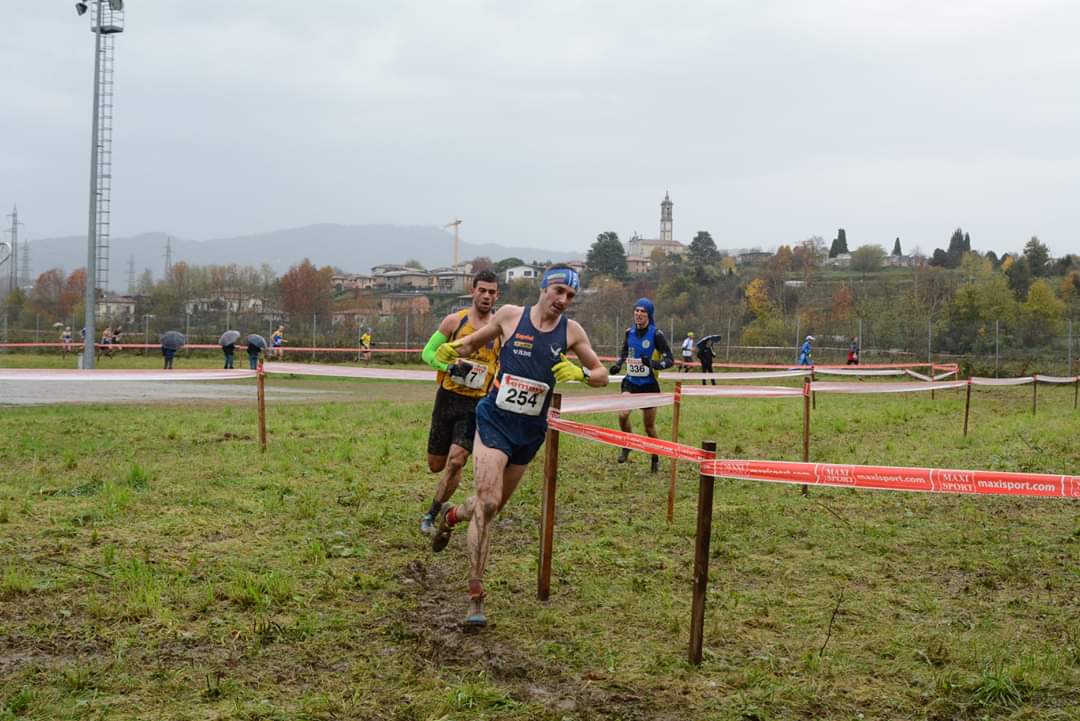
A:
90	299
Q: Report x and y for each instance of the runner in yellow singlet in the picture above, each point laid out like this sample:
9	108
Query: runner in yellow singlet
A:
461	386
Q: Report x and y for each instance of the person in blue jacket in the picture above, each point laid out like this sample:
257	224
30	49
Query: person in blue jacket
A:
645	351
807	351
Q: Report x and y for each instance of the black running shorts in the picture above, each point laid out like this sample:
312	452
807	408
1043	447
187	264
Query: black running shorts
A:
453	421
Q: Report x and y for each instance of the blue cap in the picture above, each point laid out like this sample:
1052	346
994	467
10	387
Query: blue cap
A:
647	305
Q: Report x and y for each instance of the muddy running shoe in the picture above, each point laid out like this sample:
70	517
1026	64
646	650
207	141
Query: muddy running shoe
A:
623	455
441	536
476	617
654	466
427	524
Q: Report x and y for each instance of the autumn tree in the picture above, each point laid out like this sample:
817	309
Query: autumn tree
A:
306	291
47	294
1038	257
1041	314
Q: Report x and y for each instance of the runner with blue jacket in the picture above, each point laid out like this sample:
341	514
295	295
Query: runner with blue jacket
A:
645	351
511	420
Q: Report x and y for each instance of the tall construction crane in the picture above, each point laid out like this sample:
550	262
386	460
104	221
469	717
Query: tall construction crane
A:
455	223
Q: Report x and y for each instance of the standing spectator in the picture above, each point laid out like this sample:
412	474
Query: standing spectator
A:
253	351
705	355
117	337
65	338
229	349
168	353
853	352
687	351
278	341
807	351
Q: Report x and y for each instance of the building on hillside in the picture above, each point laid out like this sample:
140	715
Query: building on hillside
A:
900	261
232	300
410	279
404	304
636	265
342	283
117	308
840	260
644	247
522	272
386	268
753	257
453	280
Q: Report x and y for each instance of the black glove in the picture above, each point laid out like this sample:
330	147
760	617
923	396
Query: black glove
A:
614	370
460	369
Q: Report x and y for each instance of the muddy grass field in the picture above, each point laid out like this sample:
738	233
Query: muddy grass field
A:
155	565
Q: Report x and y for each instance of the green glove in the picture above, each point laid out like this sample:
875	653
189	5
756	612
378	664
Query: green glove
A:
447	352
565	371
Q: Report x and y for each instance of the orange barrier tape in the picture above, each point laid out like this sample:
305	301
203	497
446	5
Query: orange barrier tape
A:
892	478
632	441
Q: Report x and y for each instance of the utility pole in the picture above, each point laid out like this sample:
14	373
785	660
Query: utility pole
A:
168	257
131	274
106	20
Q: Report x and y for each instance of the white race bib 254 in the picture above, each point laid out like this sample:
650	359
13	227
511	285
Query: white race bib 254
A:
523	396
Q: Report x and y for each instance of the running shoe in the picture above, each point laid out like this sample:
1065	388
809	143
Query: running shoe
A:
427	524
654	467
476	617
623	455
442	528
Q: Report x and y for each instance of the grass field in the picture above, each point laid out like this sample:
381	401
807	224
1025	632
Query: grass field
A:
155	565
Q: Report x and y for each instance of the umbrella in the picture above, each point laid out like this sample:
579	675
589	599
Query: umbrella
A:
257	340
710	339
173	339
229	337
57	325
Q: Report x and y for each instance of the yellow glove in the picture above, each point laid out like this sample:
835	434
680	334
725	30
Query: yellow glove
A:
565	371
447	352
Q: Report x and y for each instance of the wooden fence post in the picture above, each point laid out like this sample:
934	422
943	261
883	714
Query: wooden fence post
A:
260	378
1034	393
674	461
807	393
967	405
547	508
701	559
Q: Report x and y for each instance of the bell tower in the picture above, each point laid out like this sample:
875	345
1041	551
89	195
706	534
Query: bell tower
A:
666	224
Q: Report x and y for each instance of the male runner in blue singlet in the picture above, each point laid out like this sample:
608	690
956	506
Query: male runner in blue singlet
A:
511	421
645	351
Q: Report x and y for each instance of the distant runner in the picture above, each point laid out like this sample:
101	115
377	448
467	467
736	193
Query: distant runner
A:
687	351
807	351
511	420
461	386
645	351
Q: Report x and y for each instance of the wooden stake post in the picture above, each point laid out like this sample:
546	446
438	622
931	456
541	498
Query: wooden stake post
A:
547	508
967	405
701	559
1034	393
261	385
1076	391
806	430
674	461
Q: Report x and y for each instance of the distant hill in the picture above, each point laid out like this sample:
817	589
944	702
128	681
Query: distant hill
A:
353	248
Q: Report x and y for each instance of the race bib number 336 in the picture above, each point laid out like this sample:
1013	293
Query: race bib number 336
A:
523	396
636	369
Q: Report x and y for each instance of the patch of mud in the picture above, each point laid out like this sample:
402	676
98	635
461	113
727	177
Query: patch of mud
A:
444	642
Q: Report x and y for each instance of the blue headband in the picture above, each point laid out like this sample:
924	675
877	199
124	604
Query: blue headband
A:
566	276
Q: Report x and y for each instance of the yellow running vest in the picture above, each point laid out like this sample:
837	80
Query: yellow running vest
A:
488	357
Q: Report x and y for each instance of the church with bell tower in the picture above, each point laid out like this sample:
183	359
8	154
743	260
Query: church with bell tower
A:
641	249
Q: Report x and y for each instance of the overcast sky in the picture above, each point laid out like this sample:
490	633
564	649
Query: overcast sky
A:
544	123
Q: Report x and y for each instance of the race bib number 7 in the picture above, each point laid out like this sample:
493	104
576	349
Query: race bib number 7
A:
474	379
523	396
